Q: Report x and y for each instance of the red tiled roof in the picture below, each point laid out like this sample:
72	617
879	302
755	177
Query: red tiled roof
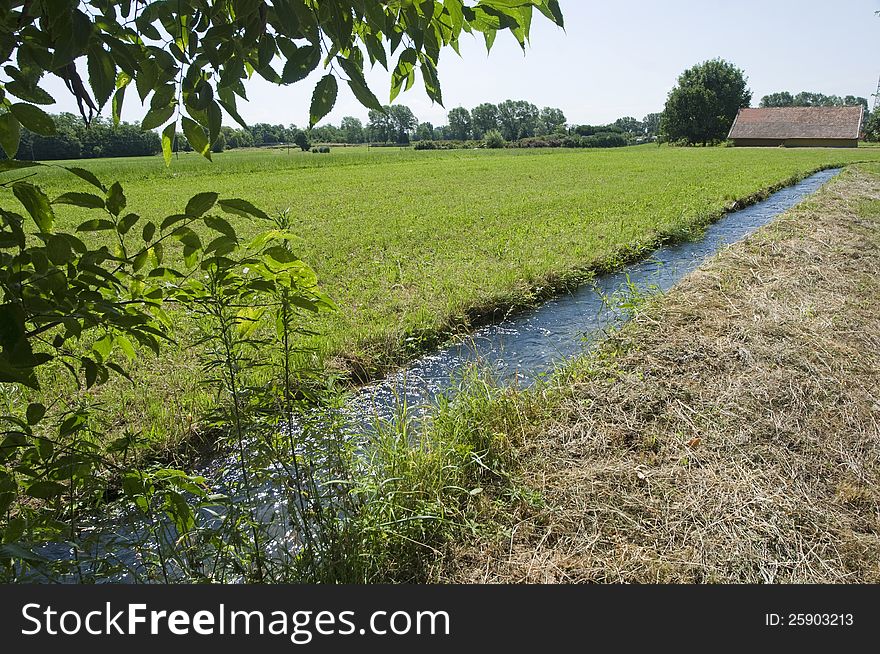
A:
797	123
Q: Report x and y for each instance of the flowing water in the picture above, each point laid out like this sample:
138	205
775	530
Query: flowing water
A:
519	349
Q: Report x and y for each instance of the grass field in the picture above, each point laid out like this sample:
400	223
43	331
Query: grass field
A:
414	246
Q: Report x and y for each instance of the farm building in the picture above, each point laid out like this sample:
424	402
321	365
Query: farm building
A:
836	127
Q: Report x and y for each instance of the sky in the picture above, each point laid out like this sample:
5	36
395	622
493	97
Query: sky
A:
615	59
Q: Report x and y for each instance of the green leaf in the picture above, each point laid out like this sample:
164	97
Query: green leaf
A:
280	254
221	225
87	176
248	320
157	116
37	205
358	84
126	347
432	81
323	99
86	200
118	98
200	203
91	370
35	413
188	237
215	121
10	134
147	79
403	72
168	135
196	137
140	260
149	231
96	225
10	164
300	63
103	346
163	96
170	220
58	249
126	223
242	208
227	101
16	551
364	95
46	490
115	199
14	529
102	73
34	118
551	10
29	93
120	371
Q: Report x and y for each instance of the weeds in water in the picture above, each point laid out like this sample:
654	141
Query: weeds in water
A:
628	299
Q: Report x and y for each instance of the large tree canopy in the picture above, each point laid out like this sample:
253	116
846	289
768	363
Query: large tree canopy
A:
702	107
190	58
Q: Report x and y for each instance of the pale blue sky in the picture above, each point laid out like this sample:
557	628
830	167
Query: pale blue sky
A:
620	58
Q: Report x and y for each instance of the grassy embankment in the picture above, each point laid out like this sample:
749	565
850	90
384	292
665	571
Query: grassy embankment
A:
415	246
729	433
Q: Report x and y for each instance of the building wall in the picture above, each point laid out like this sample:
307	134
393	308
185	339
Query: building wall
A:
797	143
822	143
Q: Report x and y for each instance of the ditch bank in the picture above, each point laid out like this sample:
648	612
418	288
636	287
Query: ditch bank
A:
729	433
390	354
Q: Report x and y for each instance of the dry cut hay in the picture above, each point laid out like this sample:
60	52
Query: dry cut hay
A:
731	433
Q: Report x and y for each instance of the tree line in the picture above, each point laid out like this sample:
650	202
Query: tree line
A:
700	109
74	140
812	99
517	122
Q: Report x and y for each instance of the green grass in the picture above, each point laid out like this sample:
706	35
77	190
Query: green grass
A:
416	245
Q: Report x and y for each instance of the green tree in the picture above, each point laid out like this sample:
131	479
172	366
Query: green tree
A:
326	134
459	120
237	138
551	121
484	117
494	139
380	126
517	119
702	107
872	127
352	130
652	124
403	122
812	99
72	139
301	140
391	124
219	144
630	125
855	101
781	99
425	132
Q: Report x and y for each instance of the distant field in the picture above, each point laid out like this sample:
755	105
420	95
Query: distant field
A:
411	243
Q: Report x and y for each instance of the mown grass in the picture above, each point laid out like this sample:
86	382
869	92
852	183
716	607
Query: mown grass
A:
414	246
727	434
